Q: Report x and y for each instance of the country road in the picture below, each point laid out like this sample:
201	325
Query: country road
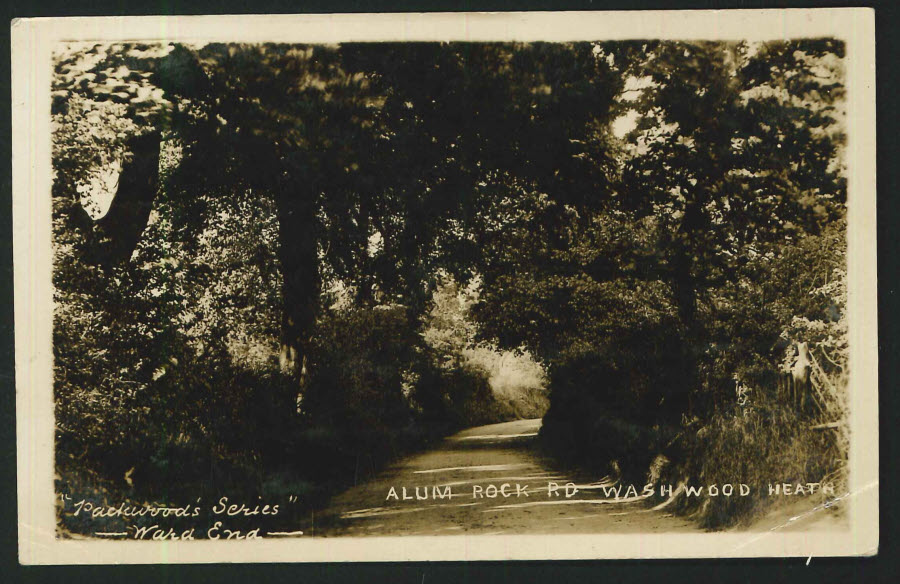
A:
485	480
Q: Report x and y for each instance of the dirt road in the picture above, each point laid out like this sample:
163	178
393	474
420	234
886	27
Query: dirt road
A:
487	480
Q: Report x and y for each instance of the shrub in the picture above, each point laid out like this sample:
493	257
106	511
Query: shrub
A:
357	398
767	444
482	383
517	381
607	399
196	422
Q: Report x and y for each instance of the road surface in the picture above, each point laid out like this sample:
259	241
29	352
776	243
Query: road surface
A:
458	487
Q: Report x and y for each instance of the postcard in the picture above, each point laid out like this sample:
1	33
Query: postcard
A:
446	286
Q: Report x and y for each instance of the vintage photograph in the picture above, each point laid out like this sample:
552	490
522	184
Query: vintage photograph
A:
353	289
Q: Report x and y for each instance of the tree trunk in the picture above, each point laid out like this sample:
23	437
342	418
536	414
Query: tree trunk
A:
364	292
684	290
118	232
301	285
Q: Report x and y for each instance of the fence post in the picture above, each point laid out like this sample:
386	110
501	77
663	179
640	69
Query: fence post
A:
807	390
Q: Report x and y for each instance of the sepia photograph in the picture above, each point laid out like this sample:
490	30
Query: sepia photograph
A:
448	290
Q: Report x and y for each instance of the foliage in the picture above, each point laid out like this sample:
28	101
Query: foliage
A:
517	381
274	257
728	179
766	446
610	336
358	394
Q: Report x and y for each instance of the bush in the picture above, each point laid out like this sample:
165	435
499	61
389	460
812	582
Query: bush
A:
194	423
517	381
358	395
469	399
768	444
608	402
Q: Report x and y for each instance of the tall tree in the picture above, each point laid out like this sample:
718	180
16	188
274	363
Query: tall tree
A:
735	147
736	152
376	155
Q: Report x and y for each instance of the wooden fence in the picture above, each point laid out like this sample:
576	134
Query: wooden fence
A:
819	398
810	391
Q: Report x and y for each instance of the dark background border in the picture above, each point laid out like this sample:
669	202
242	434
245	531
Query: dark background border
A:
823	570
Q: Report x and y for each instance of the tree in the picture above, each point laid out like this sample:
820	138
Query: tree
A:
736	152
399	135
642	302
